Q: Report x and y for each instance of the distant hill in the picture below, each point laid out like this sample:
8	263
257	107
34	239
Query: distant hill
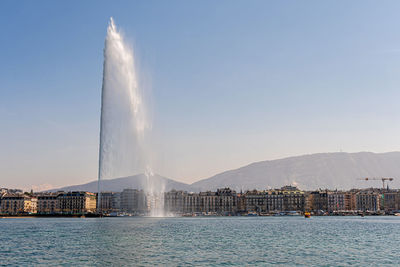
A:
136	182
325	170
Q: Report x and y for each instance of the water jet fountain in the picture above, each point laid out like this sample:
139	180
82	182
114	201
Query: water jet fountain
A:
123	123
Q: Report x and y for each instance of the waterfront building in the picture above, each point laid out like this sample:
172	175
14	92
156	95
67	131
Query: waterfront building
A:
77	202
336	201
208	202
116	201
18	204
173	201
255	201
293	199
318	201
308	201
3	191
350	200
368	200
223	201
105	201
391	201
241	203
47	203
274	201
191	203
134	201
110	202
226	201
288	198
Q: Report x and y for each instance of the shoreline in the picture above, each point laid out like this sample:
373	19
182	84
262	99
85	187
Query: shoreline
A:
30	216
5	216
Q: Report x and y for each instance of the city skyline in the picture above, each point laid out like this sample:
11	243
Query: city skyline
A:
224	92
287	200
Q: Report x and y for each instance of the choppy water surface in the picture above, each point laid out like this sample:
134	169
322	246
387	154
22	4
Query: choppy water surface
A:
328	241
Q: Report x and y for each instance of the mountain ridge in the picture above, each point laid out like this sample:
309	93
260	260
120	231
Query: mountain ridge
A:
311	171
138	181
328	170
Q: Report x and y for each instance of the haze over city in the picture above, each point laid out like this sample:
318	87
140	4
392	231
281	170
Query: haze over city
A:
231	83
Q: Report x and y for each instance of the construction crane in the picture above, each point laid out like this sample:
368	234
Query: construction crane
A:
383	179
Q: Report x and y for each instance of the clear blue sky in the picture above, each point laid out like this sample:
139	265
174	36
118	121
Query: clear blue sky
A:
232	82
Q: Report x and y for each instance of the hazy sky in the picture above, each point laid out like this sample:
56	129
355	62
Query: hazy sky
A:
232	82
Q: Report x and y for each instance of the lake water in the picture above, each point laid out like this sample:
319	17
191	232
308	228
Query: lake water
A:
328	241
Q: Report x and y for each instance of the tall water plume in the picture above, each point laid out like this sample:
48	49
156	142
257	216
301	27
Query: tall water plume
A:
124	124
